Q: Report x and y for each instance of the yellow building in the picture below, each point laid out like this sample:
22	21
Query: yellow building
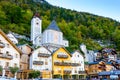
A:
61	66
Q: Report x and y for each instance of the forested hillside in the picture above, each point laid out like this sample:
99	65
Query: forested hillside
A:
78	27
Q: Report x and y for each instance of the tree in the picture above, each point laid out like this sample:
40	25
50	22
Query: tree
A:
34	74
13	70
1	68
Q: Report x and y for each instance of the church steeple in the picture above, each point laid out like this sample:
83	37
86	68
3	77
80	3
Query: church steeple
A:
36	29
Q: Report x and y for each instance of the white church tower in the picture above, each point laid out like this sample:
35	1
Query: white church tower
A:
36	30
84	50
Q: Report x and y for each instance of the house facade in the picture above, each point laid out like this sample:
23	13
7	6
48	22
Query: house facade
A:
24	60
78	71
61	64
9	54
41	60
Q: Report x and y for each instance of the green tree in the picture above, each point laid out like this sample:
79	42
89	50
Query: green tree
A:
116	38
1	68
13	70
34	74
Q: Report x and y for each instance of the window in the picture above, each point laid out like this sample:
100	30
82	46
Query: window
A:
16	55
21	48
46	63
50	60
20	66
15	65
59	71
7	64
7	52
75	71
8	45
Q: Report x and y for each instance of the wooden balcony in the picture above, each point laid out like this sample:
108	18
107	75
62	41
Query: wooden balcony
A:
75	64
6	56
67	71
38	62
43	55
62	56
66	64
81	72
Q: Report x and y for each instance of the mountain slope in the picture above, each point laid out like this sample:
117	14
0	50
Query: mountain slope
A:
78	27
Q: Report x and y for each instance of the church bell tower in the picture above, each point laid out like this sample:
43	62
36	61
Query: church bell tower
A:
36	30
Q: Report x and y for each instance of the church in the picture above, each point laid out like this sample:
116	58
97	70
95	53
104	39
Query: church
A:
51	37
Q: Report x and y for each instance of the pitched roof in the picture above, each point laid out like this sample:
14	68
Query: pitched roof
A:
39	48
26	45
64	49
78	52
4	35
36	14
53	26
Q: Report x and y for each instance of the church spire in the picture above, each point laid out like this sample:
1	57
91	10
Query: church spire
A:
36	14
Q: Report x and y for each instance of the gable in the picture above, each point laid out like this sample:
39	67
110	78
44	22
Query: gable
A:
39	49
6	40
62	49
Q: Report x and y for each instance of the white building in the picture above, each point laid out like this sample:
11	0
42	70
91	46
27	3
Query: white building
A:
9	54
12	38
40	59
36	30
91	56
84	50
77	57
52	36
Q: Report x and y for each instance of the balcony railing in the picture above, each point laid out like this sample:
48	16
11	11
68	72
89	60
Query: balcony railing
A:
6	56
67	71
62	56
66	64
38	62
43	55
81	72
75	64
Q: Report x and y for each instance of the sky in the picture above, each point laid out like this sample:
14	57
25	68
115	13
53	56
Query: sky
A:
106	8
